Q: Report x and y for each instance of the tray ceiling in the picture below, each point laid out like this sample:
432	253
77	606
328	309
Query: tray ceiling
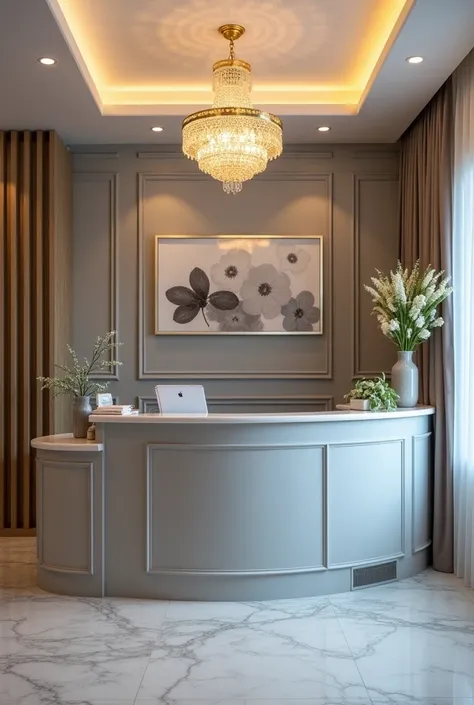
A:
123	66
308	57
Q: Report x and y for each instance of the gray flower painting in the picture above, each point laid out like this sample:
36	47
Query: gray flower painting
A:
190	301
236	320
300	313
265	291
293	258
231	270
238	284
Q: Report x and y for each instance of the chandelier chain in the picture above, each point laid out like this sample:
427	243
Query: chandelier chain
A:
231	49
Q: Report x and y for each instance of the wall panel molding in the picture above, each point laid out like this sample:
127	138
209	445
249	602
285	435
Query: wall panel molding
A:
96	155
112	179
376	154
358	370
423	502
307	402
177	154
144	373
87	468
196	450
331	478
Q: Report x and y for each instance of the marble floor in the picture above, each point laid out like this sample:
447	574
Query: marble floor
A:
407	642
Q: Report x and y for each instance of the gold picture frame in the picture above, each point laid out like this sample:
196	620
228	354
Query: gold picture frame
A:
210	285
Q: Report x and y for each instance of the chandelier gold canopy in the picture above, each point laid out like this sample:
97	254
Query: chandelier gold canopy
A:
232	141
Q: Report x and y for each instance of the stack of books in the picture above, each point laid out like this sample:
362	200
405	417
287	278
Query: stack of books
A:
114	410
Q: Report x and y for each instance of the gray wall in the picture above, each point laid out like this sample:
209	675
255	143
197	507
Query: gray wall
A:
125	196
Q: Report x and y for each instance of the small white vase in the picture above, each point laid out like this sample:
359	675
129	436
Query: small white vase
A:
405	379
360	404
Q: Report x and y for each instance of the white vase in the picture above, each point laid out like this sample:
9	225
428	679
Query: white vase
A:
360	404
405	379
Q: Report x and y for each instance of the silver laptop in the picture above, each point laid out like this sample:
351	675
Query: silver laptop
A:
185	399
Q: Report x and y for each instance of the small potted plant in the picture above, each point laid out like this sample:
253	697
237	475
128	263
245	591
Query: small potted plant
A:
78	380
372	395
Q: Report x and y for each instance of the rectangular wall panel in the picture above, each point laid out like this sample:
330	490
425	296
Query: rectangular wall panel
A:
176	499
365	492
305	208
67	525
95	284
253	405
375	247
422	510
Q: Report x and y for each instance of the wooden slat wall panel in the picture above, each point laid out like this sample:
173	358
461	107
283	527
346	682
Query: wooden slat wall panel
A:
25	326
38	285
11	337
3	304
61	264
29	232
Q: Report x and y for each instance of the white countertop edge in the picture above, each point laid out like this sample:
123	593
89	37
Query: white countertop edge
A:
301	417
66	442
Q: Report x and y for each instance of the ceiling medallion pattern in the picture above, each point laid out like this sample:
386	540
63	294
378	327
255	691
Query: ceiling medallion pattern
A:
232	141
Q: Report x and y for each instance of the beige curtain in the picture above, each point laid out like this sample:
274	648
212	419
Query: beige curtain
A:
426	234
32	164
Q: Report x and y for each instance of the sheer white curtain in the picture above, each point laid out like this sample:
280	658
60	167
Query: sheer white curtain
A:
463	319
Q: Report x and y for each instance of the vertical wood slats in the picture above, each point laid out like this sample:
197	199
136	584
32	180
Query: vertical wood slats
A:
25	244
2	333
11	330
24	340
37	420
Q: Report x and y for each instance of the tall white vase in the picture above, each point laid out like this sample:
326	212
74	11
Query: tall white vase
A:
405	379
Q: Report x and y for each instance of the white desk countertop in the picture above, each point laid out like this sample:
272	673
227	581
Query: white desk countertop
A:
302	417
66	442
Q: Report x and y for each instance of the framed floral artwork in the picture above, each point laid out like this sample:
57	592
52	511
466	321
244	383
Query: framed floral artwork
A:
238	284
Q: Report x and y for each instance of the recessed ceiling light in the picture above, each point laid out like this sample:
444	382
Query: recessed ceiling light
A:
46	61
324	128
415	59
157	129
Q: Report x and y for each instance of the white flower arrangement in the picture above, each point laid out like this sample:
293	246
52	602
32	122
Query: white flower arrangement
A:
406	304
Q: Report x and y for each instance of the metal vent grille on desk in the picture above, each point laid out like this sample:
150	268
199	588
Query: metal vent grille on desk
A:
374	574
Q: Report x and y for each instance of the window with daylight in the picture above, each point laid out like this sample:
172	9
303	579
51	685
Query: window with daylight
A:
463	319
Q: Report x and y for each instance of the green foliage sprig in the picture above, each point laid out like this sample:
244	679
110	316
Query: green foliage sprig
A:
378	391
77	379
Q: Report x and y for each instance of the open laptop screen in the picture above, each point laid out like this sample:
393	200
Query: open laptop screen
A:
181	399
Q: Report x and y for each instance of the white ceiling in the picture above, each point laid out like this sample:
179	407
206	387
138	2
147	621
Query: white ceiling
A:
125	65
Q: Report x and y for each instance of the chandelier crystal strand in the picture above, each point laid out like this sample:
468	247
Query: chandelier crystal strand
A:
232	141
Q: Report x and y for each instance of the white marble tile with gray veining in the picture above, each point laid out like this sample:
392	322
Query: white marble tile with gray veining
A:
406	643
412	639
284	649
412	652
413	601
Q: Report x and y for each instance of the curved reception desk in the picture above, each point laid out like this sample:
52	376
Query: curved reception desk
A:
235	506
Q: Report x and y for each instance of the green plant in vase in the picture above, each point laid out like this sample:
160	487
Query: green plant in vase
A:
377	393
80	380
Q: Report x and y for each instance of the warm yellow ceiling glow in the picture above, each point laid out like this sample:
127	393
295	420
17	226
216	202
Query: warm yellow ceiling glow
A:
324	61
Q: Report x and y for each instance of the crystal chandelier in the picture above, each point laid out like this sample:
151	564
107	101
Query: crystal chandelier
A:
232	141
